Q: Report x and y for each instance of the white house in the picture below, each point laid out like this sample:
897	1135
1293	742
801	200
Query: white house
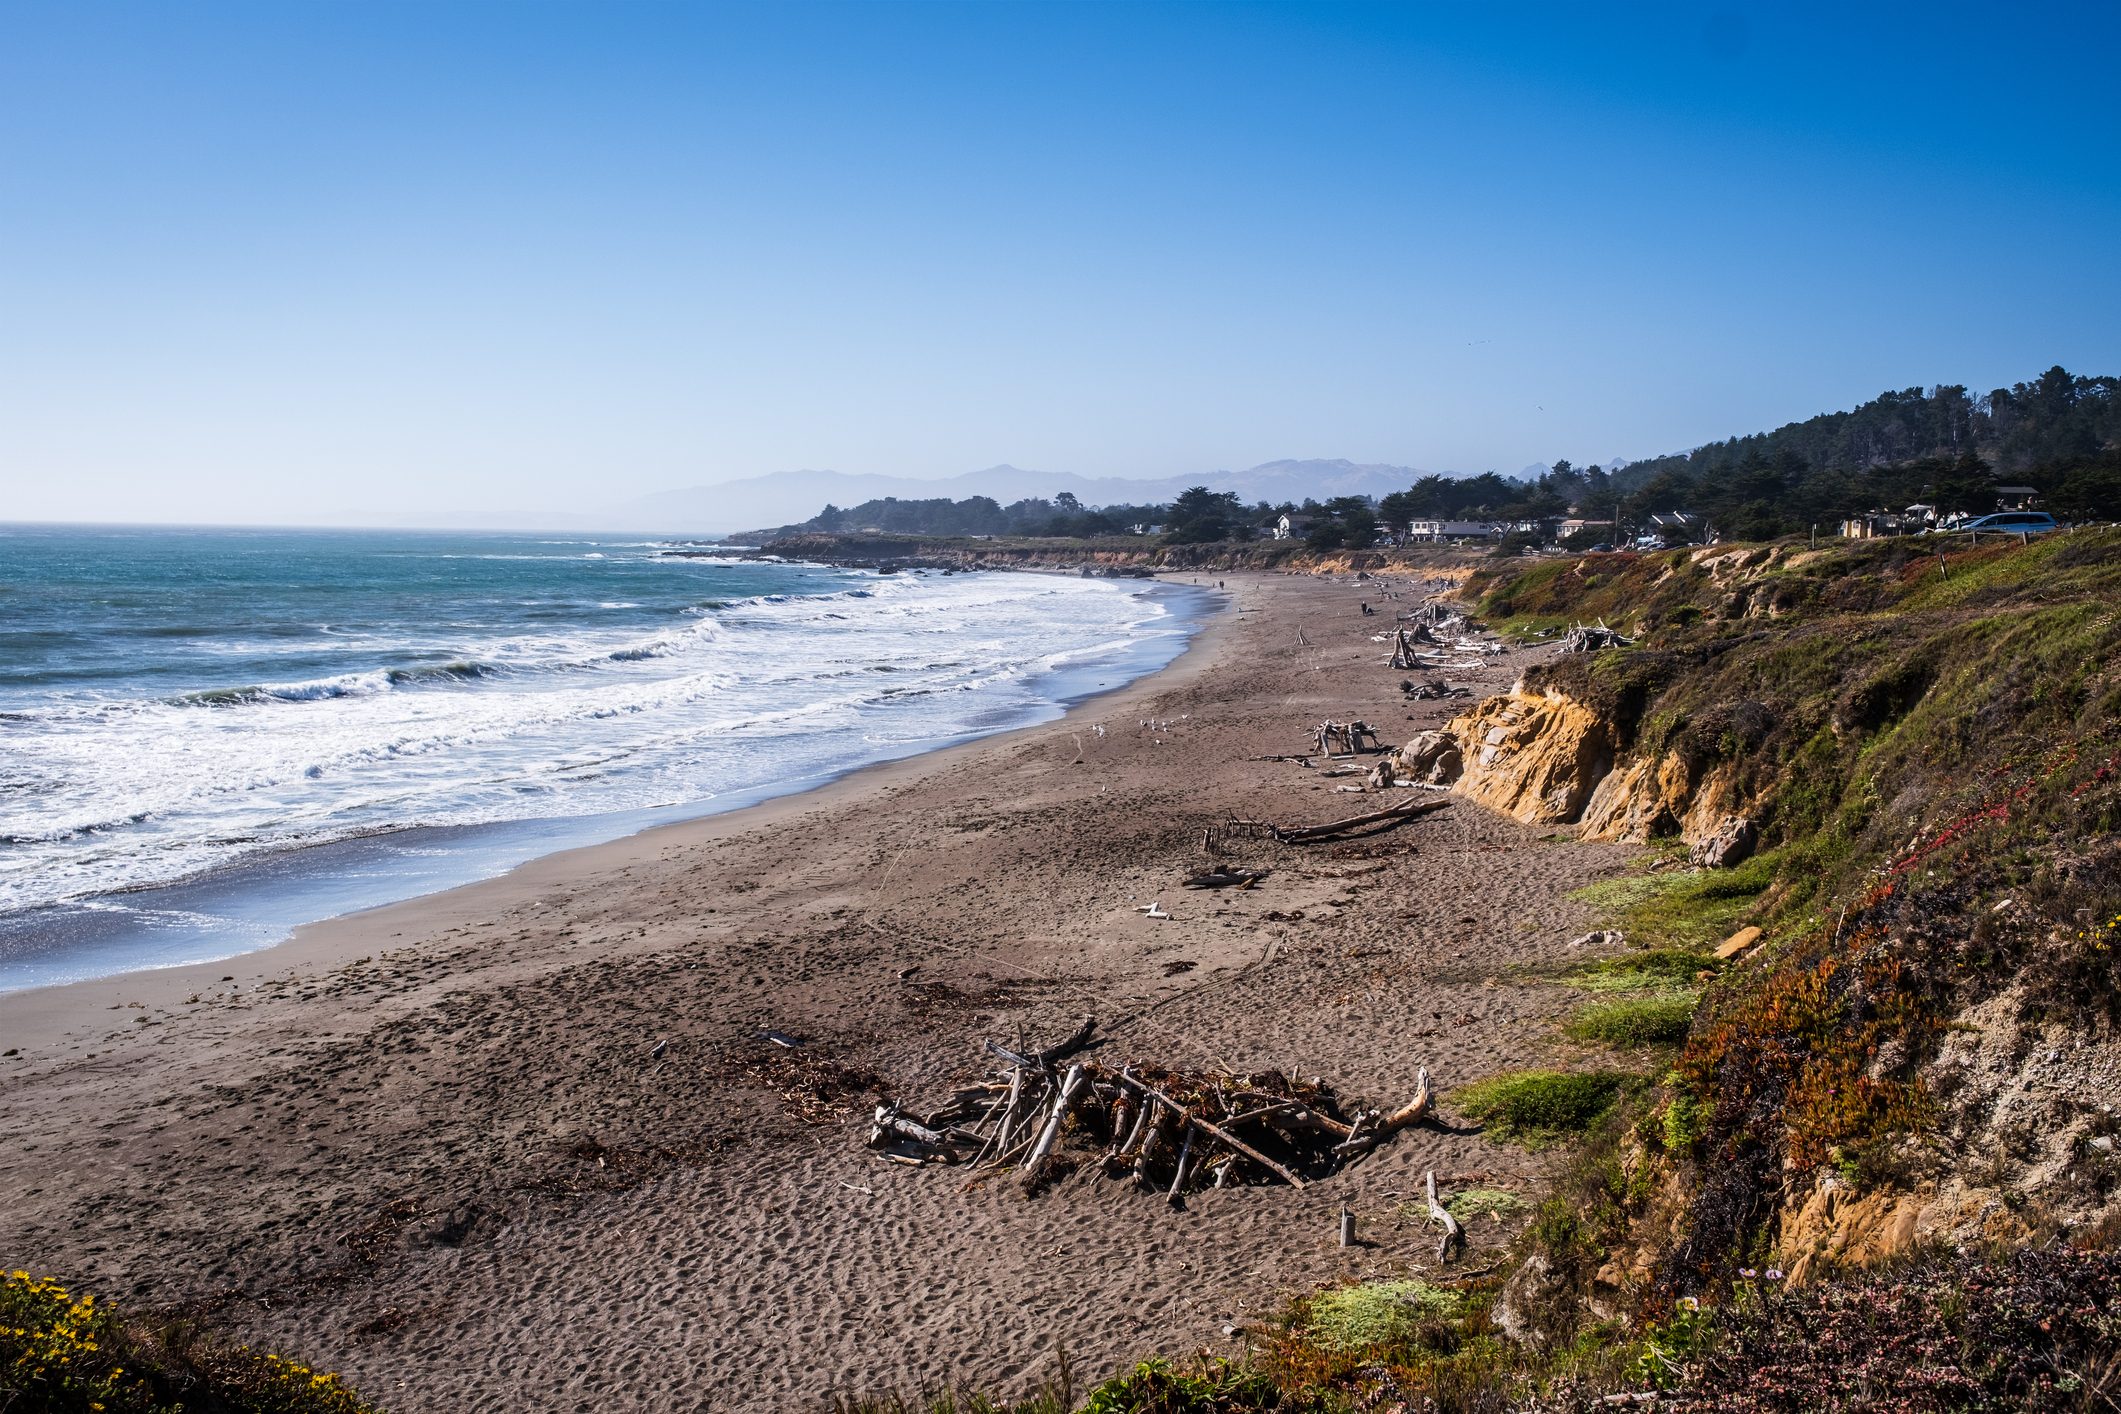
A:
1291	526
1441	530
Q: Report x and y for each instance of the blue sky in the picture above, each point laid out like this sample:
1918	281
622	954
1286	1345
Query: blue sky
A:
295	261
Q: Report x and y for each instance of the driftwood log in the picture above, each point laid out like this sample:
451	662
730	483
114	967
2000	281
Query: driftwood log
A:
1063	1101
1224	877
1585	638
1373	1127
1453	1235
1039	1060
1311	834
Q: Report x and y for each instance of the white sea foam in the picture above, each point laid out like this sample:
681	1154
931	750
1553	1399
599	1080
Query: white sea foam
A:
99	795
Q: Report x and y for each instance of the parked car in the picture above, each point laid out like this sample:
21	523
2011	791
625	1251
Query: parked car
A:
2011	523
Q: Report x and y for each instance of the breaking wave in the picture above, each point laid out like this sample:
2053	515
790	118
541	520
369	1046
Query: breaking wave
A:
674	680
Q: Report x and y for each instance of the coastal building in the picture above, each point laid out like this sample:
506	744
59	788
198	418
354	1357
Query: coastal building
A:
1677	528
1438	531
1291	526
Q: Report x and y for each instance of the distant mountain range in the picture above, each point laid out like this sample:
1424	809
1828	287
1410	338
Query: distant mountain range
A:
787	497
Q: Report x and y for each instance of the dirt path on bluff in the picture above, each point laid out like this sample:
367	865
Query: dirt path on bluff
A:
427	1146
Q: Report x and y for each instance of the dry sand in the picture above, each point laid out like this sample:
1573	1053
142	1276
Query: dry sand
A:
427	1146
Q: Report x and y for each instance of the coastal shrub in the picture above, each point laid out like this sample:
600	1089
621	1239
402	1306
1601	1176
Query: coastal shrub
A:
58	1351
1539	1107
1222	1387
1679	1123
1394	1344
1682	908
1049	1399
2039	1330
1660	1020
72	1354
1594	1194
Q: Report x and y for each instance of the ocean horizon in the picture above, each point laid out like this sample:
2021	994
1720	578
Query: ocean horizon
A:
214	735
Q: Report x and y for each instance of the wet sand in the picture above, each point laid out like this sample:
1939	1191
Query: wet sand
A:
427	1145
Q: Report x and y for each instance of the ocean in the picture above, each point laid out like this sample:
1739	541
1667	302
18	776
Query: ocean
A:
209	737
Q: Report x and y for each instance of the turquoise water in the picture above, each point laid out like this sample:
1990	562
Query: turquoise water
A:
209	736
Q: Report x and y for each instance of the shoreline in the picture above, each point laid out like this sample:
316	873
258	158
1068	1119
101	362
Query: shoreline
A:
43	1014
286	892
389	1146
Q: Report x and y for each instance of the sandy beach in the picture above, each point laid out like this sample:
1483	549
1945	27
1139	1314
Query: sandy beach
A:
427	1146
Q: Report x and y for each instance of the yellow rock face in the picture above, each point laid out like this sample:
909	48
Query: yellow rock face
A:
1836	1230
1535	757
1549	760
1638	801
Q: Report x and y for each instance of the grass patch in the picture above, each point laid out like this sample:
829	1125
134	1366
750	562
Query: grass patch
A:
1378	1314
1472	1203
1660	1020
1681	908
1616	896
1540	1107
1652	970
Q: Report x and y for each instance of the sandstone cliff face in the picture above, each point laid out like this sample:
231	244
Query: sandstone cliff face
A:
1639	800
2026	1124
1537	757
1836	1227
1547	759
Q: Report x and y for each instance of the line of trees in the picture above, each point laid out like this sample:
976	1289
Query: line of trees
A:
1197	516
1064	515
2059	434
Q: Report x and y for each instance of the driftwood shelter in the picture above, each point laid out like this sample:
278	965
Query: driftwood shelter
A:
1173	1131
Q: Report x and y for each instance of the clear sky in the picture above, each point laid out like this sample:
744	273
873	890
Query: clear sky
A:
299	259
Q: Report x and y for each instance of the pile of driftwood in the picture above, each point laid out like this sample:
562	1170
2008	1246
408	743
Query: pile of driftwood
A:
1433	688
1417	650
1343	738
1587	639
1169	1131
1407	647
